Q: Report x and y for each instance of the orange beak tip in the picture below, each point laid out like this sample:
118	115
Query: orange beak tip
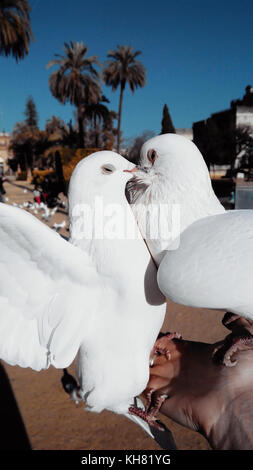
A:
131	171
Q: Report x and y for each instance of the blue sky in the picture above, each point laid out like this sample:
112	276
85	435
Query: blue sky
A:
197	54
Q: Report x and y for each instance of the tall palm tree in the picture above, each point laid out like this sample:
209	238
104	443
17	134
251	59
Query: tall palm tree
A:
76	80
122	68
15	28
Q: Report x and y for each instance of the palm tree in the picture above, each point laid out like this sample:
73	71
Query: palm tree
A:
122	68
96	113
15	28
76	80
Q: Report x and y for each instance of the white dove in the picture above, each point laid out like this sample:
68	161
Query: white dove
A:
46	213
97	297
53	211
210	264
57	227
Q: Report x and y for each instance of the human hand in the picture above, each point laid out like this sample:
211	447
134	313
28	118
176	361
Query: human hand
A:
215	400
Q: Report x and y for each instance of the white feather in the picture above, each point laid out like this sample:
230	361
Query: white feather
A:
39	273
179	177
99	298
213	264
113	365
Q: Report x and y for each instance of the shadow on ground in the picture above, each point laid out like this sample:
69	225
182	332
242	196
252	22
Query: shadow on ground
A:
13	432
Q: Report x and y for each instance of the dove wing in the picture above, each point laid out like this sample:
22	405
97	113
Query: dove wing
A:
47	293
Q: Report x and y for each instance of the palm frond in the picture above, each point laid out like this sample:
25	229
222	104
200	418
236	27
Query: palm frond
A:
15	28
76	77
123	68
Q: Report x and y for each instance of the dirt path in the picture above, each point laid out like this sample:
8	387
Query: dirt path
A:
36	413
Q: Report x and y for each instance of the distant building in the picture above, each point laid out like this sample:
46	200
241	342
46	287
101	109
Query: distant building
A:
215	136
5	152
188	133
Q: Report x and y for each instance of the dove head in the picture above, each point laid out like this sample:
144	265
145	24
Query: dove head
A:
171	168
101	174
174	158
172	172
97	197
101	220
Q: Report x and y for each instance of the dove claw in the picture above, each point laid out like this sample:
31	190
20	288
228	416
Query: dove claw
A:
161	346
231	345
151	361
151	420
149	414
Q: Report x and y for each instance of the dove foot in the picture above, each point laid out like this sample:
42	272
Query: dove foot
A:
232	344
162	345
149	416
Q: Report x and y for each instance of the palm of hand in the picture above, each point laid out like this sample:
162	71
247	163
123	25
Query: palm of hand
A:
203	396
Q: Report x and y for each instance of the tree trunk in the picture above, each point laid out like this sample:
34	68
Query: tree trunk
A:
96	132
59	173
81	129
122	87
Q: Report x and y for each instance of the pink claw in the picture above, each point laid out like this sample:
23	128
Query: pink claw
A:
151	420
161	345
233	343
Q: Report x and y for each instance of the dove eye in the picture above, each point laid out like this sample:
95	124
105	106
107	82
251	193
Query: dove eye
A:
107	169
152	155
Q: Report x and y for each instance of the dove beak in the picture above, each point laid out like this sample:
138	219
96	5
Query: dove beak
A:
131	171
